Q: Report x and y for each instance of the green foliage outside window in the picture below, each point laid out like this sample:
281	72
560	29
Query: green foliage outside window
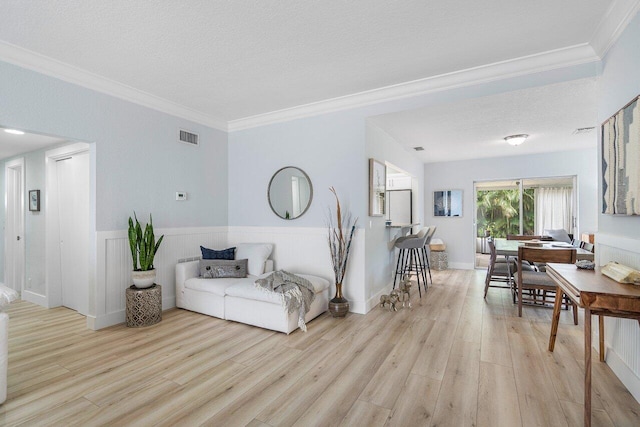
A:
498	212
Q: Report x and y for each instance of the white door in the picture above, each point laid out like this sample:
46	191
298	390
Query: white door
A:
73	206
14	229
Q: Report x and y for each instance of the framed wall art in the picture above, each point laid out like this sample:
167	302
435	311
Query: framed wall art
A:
447	203
377	187
621	161
34	200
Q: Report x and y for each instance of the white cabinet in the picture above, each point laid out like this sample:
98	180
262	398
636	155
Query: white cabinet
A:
398	182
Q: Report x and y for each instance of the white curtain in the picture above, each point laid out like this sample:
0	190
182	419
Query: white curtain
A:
554	209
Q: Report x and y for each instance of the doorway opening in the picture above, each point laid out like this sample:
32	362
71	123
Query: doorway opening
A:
14	259
525	206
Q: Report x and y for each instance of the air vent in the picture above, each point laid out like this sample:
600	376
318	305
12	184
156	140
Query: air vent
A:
418	148
188	137
581	131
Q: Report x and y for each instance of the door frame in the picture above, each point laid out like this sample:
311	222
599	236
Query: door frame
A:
52	234
15	164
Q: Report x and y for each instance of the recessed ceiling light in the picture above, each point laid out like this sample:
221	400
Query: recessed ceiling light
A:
516	139
14	131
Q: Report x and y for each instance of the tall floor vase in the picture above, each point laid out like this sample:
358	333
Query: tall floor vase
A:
338	306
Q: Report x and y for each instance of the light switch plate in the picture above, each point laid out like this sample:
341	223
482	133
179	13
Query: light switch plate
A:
181	195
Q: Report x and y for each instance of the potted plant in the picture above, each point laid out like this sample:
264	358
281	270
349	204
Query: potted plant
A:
340	237
143	248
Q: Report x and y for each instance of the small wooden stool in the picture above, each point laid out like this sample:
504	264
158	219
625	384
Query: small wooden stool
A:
144	306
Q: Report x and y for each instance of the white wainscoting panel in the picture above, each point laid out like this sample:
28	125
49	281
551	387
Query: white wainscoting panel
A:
115	265
622	336
305	250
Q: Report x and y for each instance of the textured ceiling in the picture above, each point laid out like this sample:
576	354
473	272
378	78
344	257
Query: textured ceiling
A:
475	128
13	145
234	59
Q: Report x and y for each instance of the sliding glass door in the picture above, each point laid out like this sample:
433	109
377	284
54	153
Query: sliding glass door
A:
526	206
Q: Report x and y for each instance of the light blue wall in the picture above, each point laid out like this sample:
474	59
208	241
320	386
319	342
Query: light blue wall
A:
619	84
139	163
458	233
379	259
329	148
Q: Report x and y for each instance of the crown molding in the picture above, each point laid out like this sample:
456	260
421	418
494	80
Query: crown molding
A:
618	16
559	58
48	66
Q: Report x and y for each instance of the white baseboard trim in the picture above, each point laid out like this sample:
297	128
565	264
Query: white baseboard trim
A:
358	307
461	266
118	317
623	372
35	298
168	303
375	299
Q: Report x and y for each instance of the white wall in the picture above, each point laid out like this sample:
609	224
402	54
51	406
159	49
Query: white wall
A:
458	233
139	164
619	236
380	260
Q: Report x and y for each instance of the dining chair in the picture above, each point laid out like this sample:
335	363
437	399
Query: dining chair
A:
500	270
497	271
587	246
535	281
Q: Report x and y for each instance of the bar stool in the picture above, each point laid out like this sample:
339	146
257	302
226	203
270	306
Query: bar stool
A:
411	259
425	254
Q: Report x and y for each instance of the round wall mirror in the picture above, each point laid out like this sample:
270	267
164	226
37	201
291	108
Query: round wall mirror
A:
290	192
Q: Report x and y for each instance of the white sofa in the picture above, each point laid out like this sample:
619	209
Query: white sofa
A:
241	301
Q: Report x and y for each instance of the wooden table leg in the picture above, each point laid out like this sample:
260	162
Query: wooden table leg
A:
557	305
587	367
601	336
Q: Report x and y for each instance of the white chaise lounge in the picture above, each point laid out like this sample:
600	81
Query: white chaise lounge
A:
239	299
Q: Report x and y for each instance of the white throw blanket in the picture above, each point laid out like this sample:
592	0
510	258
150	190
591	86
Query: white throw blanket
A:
297	292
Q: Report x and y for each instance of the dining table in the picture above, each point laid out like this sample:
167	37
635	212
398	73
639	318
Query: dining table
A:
509	248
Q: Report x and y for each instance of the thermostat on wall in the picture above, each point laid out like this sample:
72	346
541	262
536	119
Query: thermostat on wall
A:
181	195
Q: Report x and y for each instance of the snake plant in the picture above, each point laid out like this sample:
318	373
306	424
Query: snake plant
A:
143	244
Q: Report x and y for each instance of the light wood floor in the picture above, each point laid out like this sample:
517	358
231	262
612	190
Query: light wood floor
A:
454	359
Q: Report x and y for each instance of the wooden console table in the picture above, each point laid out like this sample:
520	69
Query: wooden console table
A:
598	295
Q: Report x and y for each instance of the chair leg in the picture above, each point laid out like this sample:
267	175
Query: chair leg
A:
398	268
416	259
575	313
519	299
420	259
426	256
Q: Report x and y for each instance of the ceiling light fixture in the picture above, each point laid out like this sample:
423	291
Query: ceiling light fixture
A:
14	131
516	139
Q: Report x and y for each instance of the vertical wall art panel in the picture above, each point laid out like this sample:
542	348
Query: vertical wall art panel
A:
621	161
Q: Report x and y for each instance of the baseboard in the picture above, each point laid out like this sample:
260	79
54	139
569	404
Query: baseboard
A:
34	298
624	373
118	317
358	307
461	266
168	303
375	299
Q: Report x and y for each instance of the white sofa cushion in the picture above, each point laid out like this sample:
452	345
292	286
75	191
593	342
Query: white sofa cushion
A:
256	253
249	290
214	286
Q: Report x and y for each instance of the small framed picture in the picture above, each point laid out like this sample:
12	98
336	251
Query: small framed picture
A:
34	200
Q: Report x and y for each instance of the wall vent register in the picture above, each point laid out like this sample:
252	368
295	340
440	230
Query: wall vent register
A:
188	137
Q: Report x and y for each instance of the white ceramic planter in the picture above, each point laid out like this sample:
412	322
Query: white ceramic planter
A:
143	279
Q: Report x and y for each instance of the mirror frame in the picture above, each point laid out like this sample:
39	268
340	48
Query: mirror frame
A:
310	192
